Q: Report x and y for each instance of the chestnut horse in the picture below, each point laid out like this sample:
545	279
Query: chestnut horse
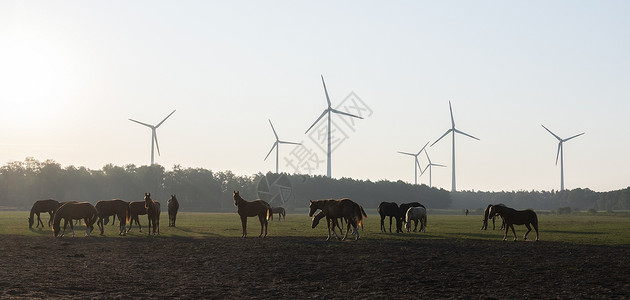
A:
117	208
136	208
173	207
321	215
486	212
282	214
41	206
352	212
254	208
75	211
153	212
515	217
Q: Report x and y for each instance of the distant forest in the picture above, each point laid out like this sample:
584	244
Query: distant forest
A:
24	182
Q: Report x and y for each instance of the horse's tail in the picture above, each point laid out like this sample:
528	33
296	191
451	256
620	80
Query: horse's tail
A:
127	214
269	212
360	213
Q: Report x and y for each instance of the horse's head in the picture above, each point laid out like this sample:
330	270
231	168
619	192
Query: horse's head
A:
173	198
30	222
312	208
316	219
492	211
237	197
56	228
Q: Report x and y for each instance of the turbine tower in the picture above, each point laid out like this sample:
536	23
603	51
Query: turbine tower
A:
561	154
430	167
416	164
328	112
154	141
453	130
276	145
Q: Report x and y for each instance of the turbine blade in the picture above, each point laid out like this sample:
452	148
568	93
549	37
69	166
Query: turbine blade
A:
156	142
158	125
438	165
425	169
145	124
574	136
427	154
419	167
447	132
274	130
290	143
423	148
326	90
320	117
559	139
452	119
274	145
406	153
558	155
345	113
466	134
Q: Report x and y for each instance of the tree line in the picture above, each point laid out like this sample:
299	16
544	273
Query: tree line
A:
198	189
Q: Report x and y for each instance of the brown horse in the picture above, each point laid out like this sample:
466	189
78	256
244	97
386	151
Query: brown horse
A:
280	211
352	212
485	219
515	217
136	208
173	207
254	208
117	208
321	215
153	212
41	206
73	211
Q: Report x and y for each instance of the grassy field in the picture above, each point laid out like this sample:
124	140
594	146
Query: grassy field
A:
577	229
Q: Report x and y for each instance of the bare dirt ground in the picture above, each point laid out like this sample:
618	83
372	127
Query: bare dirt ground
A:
301	267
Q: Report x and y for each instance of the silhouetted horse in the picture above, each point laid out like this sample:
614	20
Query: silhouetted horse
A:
352	212
41	206
136	208
416	214
258	208
391	210
73	211
405	207
280	211
486	212
173	207
117	208
153	213
321	215
515	217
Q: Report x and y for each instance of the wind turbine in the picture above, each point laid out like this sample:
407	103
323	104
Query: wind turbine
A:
430	167
154	140
453	130
328	111
561	154
416	164
276	145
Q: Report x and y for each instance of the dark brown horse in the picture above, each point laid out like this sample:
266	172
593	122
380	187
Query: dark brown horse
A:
75	211
282	214
41	206
515	217
136	208
321	215
173	207
391	210
486	217
117	208
254	208
352	212
153	212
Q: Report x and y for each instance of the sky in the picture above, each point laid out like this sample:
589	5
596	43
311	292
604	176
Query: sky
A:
72	74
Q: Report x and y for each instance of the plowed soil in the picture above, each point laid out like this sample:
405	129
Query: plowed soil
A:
305	267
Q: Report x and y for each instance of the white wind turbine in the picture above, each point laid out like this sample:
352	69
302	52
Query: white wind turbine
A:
416	164
276	145
328	112
453	130
561	154
430	167
154	141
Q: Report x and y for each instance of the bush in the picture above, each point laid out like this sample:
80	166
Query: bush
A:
564	210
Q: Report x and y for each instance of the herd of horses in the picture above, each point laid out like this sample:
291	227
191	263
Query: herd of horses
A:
335	212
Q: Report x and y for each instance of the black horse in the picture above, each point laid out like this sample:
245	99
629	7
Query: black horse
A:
405	206
391	210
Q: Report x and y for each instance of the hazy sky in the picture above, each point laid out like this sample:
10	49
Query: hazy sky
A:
73	72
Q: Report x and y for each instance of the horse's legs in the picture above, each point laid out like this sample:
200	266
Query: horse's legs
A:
51	217
39	220
536	228
72	227
383	223
101	225
244	225
390	224
415	227
506	232
262	225
174	218
514	232
347	230
528	230
493	223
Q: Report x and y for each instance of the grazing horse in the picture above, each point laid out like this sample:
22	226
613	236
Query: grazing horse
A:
136	208
173	207
352	212
254	208
390	209
321	215
280	211
117	208
515	217
416	214
405	207
486	212
73	211
153	213
41	206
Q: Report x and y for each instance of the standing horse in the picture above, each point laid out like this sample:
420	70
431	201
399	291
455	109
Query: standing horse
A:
136	208
280	211
405	207
486	212
173	207
352	212
41	206
254	208
153	213
515	217
390	209
416	214
73	211
117	208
